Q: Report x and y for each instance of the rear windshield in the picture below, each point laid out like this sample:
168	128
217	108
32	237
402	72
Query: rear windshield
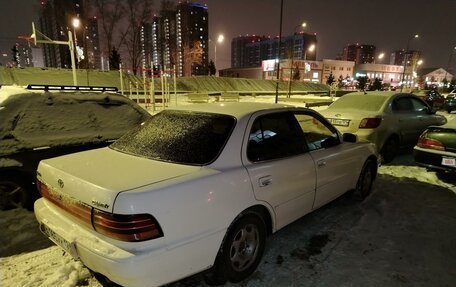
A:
367	102
185	137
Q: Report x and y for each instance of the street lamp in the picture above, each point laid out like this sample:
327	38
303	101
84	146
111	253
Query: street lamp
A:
220	40
76	23
310	49
380	57
405	59
302	26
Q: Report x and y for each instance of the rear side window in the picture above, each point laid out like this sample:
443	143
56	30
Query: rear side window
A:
184	137
275	136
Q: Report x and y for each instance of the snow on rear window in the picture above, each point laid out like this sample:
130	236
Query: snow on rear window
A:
32	120
367	102
179	136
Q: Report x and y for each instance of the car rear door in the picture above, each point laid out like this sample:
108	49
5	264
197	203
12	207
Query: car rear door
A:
281	170
412	118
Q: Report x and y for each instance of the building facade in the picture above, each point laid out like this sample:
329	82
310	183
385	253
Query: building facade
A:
411	56
388	74
250	51
360	54
55	20
178	37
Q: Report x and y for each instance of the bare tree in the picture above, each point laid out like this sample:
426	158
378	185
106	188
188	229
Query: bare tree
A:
138	13
193	53
111	12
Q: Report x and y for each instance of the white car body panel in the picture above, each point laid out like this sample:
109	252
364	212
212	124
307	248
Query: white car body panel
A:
194	205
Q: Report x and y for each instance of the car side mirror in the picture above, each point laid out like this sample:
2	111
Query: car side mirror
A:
348	137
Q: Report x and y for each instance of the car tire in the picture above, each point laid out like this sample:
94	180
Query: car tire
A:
389	149
365	180
241	251
15	192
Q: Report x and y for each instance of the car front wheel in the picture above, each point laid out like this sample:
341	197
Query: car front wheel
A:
241	251
365	180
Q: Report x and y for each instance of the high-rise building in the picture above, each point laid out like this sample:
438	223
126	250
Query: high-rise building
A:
251	51
360	54
178	37
55	20
398	57
91	43
192	39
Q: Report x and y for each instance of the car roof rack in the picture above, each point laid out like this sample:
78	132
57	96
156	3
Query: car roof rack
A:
71	88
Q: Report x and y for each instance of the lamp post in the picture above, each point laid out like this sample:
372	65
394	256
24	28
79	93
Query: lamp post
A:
278	52
220	40
302	26
449	61
76	23
405	59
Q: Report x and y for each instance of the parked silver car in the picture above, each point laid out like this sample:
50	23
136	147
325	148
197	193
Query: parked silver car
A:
390	120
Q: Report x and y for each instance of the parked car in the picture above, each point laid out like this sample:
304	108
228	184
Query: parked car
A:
450	102
37	124
433	98
436	148
390	120
197	189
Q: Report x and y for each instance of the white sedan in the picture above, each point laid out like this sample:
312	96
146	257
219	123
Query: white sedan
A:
194	190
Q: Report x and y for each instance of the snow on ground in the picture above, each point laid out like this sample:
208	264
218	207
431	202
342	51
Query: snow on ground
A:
404	234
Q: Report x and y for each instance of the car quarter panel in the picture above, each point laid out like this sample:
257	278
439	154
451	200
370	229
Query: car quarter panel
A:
193	208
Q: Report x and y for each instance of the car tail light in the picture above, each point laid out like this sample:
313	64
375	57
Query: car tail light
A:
131	228
370	123
430	144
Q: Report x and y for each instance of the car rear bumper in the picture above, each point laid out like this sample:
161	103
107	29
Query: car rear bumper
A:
145	265
433	159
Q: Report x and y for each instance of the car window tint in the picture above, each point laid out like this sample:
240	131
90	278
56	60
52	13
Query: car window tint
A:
317	133
403	104
419	107
274	136
185	137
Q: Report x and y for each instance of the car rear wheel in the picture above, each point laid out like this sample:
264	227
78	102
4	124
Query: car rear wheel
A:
389	149
241	251
14	194
365	180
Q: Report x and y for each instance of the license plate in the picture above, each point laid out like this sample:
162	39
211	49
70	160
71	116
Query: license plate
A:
448	161
69	247
339	122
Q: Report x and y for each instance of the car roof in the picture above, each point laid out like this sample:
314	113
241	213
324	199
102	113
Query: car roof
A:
385	94
235	109
7	92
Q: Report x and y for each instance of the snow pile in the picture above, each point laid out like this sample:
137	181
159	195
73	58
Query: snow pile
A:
47	267
417	173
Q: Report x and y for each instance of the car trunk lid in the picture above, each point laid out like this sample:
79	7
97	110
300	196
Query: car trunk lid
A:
96	177
347	120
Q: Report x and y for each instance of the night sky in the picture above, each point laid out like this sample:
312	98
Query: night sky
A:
387	24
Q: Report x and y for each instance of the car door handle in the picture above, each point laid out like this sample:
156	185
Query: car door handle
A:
265	181
321	163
